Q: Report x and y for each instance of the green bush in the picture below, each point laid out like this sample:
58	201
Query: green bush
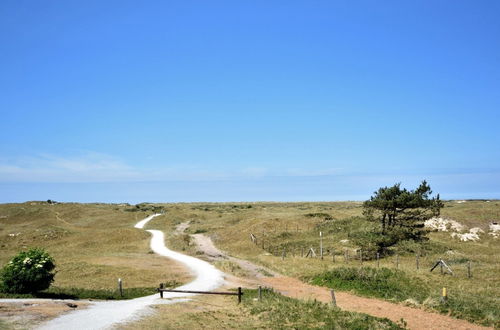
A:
28	272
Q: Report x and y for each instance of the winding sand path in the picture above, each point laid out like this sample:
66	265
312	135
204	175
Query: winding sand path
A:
105	314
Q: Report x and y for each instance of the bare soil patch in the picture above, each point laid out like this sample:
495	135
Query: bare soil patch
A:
27	314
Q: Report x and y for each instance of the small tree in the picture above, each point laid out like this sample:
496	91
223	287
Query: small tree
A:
401	213
28	272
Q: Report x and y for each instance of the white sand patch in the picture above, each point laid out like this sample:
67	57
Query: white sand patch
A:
494	229
472	235
443	224
466	237
476	230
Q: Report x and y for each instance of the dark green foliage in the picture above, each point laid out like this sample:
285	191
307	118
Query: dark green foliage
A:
400	214
200	231
30	271
280	312
382	283
146	207
325	216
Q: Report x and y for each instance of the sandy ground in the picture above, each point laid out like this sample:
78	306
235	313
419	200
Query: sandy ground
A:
206	245
415	318
24	313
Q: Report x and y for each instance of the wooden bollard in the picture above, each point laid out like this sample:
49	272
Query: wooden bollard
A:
120	287
321	244
239	294
260	293
161	288
334	301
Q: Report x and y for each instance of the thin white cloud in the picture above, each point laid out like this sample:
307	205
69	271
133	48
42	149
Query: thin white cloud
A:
98	167
88	167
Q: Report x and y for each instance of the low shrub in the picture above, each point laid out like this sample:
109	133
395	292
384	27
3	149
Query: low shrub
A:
29	271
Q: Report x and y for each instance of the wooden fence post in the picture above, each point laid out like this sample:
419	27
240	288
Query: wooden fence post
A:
361	256
333	255
334	301
418	261
260	293
161	292
397	261
469	275
378	260
283	255
321	244
239	294
120	287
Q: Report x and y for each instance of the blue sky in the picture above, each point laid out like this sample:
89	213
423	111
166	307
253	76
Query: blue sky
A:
243	101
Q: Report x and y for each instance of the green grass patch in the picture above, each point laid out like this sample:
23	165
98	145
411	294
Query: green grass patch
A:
276	311
396	285
4	325
382	283
78	293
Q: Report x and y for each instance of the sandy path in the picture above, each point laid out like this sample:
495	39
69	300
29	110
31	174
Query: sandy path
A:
415	318
105	314
206	245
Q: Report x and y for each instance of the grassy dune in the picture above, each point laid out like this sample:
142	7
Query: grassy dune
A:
93	244
294	226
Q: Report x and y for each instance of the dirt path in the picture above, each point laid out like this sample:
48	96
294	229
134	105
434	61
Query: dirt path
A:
206	245
415	318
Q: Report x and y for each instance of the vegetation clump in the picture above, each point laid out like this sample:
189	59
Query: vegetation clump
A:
382	283
400	214
325	216
28	272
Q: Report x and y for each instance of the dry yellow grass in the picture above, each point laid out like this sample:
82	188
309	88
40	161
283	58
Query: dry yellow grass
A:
93	244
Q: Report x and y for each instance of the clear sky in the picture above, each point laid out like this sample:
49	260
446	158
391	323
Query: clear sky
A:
131	101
